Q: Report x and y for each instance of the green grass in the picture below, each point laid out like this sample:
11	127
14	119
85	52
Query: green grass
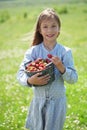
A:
15	37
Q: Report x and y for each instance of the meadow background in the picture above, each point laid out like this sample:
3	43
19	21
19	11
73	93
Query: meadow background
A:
17	22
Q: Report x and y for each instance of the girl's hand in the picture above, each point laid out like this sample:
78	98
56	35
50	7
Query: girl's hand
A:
35	80
58	63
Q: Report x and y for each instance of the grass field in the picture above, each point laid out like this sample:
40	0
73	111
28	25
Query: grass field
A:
16	31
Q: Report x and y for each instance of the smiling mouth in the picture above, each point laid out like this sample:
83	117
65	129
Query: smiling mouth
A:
51	35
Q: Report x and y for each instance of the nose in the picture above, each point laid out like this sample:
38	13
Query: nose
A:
49	29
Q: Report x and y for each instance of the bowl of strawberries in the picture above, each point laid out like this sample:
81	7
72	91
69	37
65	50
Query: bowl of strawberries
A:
45	66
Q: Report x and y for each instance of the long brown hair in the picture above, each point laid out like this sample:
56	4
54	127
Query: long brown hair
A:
46	14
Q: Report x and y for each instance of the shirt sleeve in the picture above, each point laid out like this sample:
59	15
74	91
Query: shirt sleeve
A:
70	75
22	77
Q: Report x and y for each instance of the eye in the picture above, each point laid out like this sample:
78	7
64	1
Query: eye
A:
45	26
53	26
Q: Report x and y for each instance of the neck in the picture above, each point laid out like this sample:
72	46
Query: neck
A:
49	46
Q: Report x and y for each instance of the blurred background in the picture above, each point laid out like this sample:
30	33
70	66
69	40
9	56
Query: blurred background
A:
17	22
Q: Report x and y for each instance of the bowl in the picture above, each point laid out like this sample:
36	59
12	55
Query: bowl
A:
48	70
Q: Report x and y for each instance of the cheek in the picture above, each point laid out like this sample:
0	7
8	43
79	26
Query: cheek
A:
56	30
42	32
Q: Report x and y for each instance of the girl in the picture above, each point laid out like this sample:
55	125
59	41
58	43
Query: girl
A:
48	107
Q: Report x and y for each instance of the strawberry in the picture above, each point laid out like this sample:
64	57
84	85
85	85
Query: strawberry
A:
49	56
33	63
36	65
41	68
39	64
38	60
31	68
48	60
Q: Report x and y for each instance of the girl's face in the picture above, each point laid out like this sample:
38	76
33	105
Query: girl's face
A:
49	30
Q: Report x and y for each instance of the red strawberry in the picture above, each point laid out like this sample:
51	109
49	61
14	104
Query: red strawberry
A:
41	64
41	68
38	60
48	61
37	65
49	56
33	63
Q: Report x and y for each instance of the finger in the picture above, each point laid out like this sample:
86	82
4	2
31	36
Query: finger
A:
44	82
46	79
38	74
55	58
47	76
